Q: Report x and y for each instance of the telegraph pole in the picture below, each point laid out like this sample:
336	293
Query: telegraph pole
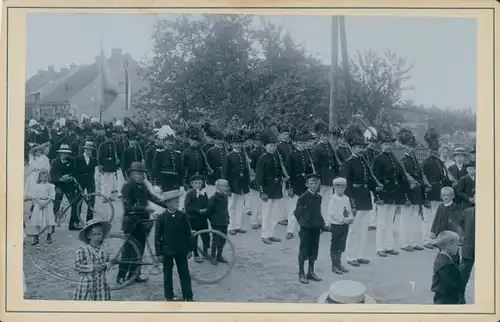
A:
333	115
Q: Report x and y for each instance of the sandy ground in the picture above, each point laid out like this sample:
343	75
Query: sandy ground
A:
262	273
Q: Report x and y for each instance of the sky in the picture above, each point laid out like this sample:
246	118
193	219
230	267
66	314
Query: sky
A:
443	50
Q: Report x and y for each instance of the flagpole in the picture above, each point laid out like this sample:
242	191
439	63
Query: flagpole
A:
333	71
345	64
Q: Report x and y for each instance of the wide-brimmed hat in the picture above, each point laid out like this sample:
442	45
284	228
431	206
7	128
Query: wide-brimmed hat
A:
64	148
106	227
137	166
89	145
459	151
346	292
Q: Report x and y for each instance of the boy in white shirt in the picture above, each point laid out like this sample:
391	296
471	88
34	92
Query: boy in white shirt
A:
340	215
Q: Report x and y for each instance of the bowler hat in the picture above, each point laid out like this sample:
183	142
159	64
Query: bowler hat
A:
137	166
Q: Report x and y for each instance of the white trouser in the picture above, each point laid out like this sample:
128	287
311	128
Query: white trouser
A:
356	238
98	180
386	224
271	214
256	207
236	211
120	180
210	190
108	183
410	226
326	193
429	214
286	203
292	221
373	219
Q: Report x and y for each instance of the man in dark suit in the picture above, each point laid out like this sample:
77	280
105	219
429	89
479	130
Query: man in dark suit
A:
458	169
167	167
466	190
108	161
61	171
86	165
132	153
218	215
236	171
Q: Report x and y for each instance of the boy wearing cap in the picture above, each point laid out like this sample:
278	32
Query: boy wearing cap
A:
466	190
340	216
174	242
196	203
86	165
218	214
308	215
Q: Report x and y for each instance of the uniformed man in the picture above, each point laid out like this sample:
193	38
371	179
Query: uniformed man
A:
437	174
298	166
107	158
193	159
285	147
327	167
133	153
391	175
269	178
343	150
236	171
167	168
360	184
372	150
215	158
209	140
410	225
256	203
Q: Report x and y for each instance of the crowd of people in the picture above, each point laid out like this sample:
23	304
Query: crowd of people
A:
311	181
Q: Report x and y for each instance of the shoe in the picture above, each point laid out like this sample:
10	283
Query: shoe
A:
213	261
363	261
407	248
289	235
283	222
337	270
35	241
249	213
275	239
232	232
260	225
313	277
372	228
418	247
188	300
49	239
392	252
53	230
353	263
345	270
197	259
141	279
303	279
221	259
429	246
266	240
381	253
325	229
241	231
255	226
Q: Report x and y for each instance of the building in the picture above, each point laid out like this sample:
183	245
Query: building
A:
74	91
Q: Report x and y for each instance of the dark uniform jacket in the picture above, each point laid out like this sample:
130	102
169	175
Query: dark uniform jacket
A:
173	234
167	169
447	283
107	156
390	174
359	183
85	172
120	148
193	163
343	153
456	173
269	176
215	158
417	195
465	190
75	146
298	166
468	223
370	154
58	169
435	171
254	156
235	171
207	146
217	211
131	154
135	198
325	163
308	211
284	149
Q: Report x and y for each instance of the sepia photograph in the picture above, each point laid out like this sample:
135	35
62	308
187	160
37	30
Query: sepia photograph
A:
249	158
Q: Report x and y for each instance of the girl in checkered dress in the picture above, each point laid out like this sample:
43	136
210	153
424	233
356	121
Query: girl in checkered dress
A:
92	262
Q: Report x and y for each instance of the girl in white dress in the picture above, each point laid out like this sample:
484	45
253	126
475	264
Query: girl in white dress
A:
43	194
37	161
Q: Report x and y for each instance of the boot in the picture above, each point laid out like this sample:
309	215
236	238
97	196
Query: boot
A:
213	254
339	263
35	241
220	258
310	274
302	276
335	267
49	238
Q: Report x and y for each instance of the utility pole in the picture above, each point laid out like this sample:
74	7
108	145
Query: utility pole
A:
345	66
333	115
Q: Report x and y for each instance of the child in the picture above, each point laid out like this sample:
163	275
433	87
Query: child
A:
448	214
173	241
92	262
466	190
340	216
196	203
447	283
308	214
218	214
43	194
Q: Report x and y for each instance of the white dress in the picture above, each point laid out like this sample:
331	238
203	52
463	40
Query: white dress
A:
34	166
45	217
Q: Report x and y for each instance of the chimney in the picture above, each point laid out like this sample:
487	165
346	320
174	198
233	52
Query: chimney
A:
116	53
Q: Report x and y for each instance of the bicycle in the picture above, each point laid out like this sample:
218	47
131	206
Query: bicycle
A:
203	274
81	198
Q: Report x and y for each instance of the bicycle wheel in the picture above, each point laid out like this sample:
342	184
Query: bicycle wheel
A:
205	269
115	244
102	208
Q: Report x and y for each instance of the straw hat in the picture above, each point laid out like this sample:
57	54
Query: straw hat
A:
346	292
459	151
82	235
64	149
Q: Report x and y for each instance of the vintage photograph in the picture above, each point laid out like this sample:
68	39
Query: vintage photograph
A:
250	158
